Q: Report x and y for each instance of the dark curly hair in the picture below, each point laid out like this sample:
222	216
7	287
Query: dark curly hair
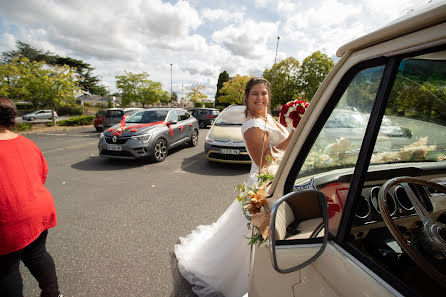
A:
255	81
8	112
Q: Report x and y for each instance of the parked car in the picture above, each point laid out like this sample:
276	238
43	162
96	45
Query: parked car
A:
114	115
99	120
39	114
224	141
205	116
365	222
149	133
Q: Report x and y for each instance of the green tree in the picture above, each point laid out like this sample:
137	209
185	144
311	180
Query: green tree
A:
195	95
233	91
313	70
43	84
283	77
138	88
87	81
222	78
165	98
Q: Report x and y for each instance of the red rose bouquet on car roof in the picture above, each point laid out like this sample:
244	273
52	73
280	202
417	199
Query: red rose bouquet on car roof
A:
291	113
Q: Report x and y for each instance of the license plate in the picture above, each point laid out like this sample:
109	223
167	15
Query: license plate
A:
114	147
229	152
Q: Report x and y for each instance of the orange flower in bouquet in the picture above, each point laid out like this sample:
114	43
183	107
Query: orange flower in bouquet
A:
291	113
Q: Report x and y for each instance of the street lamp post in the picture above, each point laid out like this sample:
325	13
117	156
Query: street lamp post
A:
171	96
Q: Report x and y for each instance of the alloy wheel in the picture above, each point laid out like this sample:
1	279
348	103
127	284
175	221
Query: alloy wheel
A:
160	150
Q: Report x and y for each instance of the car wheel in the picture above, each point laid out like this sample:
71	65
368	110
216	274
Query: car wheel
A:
194	138
160	150
31	118
202	124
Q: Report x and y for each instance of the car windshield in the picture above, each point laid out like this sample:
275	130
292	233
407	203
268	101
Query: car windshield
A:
148	116
231	116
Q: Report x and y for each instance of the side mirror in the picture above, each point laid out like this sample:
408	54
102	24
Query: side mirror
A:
172	122
298	230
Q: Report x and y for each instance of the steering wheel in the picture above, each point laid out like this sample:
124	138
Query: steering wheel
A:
434	232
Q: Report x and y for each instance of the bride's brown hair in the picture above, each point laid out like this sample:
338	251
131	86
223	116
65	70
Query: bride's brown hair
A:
252	82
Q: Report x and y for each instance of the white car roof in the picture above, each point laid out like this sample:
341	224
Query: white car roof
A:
429	15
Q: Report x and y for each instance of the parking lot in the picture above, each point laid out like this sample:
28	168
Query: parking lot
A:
118	220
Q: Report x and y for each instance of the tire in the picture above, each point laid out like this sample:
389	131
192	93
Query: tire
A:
193	138
202	124
31	119
160	150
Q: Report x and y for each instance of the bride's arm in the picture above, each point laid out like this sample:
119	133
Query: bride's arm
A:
254	138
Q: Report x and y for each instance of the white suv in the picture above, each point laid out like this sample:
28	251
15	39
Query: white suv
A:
357	220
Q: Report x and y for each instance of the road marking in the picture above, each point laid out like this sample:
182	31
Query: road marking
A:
70	147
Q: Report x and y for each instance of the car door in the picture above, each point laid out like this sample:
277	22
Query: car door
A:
186	125
353	263
41	114
175	128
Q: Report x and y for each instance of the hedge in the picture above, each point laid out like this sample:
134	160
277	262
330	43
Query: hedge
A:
69	110
77	121
22	127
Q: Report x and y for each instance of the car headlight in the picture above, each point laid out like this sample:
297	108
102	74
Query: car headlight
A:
210	138
143	138
101	136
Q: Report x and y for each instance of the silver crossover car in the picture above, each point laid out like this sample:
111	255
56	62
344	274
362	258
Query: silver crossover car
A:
149	133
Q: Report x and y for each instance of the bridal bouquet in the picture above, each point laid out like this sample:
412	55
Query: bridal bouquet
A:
291	113
254	204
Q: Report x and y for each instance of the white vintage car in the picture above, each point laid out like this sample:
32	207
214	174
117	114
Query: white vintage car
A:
356	220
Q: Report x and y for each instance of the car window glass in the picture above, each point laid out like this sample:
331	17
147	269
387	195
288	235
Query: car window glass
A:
231	116
114	113
150	116
412	139
172	117
183	115
337	146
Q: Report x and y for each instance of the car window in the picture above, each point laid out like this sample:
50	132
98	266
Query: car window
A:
231	116
100	113
214	112
183	115
149	116
172	117
114	113
337	146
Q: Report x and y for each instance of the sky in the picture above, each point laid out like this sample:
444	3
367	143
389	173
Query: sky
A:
189	43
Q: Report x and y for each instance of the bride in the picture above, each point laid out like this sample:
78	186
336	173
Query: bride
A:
214	258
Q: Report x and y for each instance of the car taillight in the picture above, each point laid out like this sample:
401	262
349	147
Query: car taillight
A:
210	116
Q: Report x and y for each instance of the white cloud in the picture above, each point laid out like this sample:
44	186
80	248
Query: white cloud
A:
198	37
248	40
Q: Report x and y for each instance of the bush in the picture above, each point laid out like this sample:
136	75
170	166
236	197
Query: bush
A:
77	121
220	107
69	110
209	105
22	127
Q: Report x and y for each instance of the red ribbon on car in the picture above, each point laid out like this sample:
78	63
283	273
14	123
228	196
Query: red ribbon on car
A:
134	128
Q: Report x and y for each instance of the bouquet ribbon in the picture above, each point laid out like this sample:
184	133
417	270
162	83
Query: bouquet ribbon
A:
118	131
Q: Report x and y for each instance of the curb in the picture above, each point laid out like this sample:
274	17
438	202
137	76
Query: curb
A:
53	129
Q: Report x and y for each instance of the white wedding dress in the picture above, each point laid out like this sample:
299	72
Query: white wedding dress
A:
214	258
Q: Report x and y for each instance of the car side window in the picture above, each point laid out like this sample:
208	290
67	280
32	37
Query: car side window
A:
173	117
183	115
337	146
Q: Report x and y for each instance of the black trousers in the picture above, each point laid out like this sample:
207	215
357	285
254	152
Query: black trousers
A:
40	264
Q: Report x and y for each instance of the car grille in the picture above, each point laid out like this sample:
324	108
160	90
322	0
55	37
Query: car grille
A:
118	141
241	157
116	153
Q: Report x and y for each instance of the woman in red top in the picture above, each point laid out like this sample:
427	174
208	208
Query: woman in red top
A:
27	210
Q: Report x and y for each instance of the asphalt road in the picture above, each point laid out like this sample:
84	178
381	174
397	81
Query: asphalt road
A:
118	220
